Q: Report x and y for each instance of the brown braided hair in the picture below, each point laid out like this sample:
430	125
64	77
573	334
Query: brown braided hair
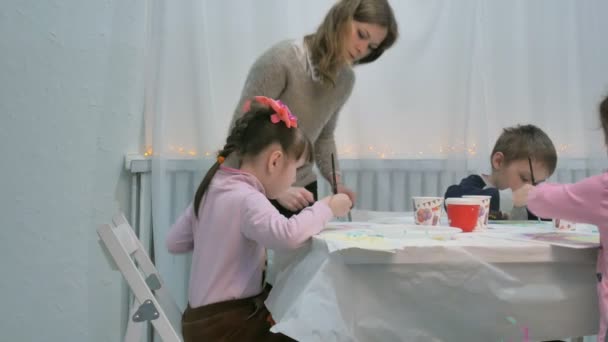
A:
250	135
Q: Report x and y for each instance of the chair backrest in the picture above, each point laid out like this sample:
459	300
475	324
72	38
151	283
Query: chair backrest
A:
152	302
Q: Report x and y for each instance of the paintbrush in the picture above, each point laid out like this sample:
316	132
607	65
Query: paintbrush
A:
531	171
532	176
335	182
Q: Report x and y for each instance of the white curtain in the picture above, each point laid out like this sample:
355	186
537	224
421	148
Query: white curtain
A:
460	72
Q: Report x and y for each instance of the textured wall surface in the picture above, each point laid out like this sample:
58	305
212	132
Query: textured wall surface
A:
71	80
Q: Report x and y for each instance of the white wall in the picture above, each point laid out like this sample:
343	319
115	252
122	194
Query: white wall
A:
70	108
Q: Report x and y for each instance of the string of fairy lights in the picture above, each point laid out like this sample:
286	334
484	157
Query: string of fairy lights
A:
354	151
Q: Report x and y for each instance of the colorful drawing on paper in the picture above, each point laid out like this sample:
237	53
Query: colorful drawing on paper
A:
517	223
358	238
347	226
564	239
392	231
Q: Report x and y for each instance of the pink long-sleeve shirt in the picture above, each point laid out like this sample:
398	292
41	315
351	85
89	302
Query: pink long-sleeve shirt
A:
584	202
235	224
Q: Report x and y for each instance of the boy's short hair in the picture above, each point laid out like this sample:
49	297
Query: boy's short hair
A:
523	141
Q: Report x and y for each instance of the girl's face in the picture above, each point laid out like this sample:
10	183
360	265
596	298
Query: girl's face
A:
361	39
284	175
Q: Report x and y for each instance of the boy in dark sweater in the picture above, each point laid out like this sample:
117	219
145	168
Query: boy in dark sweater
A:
523	156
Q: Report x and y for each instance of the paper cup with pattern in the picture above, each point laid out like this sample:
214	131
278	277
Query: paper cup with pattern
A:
484	210
427	210
564	225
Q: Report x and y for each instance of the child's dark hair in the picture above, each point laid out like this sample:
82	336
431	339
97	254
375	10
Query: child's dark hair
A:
526	141
250	135
604	117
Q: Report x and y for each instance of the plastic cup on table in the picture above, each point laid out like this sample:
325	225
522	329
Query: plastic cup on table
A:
463	213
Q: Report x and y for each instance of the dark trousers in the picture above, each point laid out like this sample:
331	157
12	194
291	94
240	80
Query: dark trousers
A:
239	320
312	187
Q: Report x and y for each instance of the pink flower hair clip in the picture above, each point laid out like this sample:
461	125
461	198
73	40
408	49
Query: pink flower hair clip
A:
282	112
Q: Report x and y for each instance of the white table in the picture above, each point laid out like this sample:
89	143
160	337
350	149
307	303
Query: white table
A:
475	288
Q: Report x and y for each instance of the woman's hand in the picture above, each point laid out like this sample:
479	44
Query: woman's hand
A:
295	198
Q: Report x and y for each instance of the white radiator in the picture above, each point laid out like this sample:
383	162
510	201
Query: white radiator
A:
384	185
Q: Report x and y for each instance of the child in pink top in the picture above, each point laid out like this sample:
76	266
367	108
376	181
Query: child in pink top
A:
585	202
231	223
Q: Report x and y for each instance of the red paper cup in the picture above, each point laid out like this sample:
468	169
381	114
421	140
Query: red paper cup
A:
463	213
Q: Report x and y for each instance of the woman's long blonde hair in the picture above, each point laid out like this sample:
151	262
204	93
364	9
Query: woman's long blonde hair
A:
326	46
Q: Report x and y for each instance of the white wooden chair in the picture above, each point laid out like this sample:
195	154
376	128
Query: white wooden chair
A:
152	303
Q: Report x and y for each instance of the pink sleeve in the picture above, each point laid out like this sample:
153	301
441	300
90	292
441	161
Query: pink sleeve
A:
180	238
584	202
264	224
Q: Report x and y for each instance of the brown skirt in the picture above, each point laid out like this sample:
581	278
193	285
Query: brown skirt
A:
245	320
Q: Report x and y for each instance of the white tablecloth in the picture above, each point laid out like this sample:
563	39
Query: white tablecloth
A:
474	288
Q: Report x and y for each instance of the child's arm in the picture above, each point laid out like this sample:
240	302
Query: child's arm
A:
584	202
180	238
264	224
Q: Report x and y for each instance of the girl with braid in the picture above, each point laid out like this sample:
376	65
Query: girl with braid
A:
584	202
231	223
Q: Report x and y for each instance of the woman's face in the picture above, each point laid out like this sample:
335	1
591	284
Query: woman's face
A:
361	39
